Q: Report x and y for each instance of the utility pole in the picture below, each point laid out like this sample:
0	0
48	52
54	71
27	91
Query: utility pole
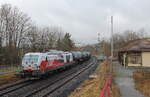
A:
98	37
98	50
112	47
101	44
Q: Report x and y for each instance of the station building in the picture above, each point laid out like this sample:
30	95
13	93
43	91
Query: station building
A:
135	53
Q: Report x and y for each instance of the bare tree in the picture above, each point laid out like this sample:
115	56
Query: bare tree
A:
13	26
18	35
33	38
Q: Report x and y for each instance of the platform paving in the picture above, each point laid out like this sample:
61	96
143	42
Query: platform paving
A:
125	81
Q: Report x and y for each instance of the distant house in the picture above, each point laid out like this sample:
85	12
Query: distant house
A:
135	53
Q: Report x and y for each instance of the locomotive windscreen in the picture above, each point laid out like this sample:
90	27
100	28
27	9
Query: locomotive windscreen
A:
31	58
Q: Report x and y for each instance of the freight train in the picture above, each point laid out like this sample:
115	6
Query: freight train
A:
40	64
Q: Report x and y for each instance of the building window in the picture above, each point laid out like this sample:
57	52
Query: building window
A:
135	58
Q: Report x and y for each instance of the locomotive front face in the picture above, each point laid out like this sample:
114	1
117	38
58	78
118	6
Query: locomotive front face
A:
31	62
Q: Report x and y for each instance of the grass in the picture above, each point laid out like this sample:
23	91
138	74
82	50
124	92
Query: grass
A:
9	68
142	81
8	78
93	86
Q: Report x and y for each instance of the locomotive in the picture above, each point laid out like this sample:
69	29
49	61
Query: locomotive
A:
39	64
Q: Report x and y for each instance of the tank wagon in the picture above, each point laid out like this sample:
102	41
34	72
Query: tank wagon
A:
40	64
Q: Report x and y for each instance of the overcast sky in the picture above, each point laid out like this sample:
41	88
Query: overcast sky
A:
85	18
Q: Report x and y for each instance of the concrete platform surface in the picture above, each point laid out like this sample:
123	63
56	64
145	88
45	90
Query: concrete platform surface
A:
125	81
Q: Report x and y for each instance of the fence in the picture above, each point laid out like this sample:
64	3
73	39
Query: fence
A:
9	68
107	87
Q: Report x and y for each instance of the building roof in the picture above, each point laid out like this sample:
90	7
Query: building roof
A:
137	45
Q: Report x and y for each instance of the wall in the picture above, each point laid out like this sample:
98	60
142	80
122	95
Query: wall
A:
146	59
130	64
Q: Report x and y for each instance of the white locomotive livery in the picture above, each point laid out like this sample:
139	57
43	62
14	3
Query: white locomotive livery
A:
39	64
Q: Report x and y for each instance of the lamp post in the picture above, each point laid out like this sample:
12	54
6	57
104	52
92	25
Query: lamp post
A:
112	47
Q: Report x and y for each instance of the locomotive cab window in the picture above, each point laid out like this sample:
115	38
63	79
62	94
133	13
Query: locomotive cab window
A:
31	58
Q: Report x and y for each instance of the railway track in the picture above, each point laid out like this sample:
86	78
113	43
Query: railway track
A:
36	88
15	86
50	88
